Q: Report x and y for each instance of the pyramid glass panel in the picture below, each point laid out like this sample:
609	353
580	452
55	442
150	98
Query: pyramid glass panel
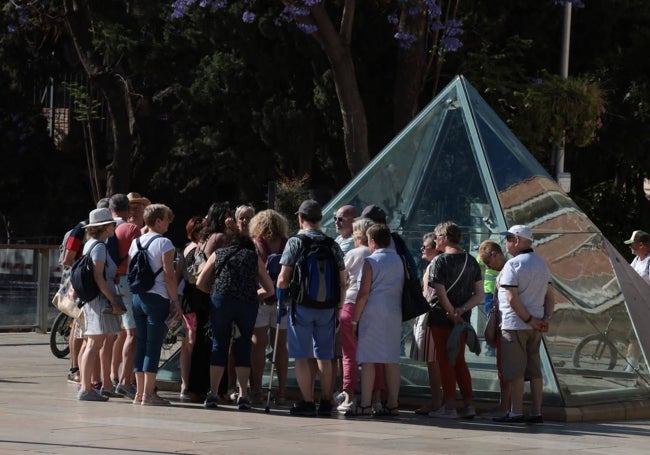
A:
458	161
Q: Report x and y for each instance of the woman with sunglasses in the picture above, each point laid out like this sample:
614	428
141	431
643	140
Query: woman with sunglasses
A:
456	277
423	349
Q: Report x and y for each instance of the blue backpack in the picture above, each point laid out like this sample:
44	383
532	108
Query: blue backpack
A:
315	281
140	276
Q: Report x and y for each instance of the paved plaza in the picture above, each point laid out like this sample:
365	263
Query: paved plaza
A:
41	415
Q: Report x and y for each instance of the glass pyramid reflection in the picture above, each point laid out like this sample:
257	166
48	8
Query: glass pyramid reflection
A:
458	161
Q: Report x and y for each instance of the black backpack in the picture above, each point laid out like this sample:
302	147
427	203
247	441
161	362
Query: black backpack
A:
140	276
82	278
113	249
315	281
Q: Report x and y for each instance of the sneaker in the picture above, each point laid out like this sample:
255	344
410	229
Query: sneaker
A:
468	412
346	406
304	409
153	400
115	382
444	413
233	395
243	403
325	408
91	395
340	397
126	391
109	392
510	419
73	377
534	420
211	401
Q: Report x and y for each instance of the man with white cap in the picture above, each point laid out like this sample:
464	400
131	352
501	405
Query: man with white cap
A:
639	243
526	304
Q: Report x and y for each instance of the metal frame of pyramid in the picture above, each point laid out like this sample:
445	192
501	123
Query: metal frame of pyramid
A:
458	161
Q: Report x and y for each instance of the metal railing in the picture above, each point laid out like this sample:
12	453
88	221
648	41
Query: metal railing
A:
29	277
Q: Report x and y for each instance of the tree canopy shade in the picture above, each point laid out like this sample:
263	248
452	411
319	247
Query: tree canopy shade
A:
216	103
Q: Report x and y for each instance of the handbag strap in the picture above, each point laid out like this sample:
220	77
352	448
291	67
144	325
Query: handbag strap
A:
460	274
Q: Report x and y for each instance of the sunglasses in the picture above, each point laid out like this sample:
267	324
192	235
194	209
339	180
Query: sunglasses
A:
338	219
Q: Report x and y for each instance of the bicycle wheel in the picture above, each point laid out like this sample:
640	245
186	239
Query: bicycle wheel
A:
59	335
595	352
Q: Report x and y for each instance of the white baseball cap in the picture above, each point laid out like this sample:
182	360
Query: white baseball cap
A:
520	230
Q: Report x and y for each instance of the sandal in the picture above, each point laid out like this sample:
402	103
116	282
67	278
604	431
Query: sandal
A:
386	412
359	411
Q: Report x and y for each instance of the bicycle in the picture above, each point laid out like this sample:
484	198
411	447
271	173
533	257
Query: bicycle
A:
599	351
60	334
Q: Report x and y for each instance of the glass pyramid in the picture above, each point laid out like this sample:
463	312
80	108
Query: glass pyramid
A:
458	161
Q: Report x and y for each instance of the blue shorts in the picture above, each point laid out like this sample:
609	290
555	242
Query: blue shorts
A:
310	333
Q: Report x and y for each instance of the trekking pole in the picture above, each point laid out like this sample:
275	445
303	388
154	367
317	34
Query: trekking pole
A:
267	409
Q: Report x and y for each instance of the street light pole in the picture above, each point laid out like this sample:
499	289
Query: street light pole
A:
564	178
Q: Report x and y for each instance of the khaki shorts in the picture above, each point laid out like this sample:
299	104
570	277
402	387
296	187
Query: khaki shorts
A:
520	354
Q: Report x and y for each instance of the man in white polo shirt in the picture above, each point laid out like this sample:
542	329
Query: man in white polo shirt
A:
526	304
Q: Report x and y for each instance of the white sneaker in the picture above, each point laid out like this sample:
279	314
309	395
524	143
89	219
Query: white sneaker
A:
444	413
345	406
340	397
468	412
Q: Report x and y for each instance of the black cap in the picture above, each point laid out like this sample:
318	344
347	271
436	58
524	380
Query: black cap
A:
374	213
311	210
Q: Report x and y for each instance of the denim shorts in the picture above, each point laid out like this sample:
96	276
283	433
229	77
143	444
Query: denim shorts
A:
310	333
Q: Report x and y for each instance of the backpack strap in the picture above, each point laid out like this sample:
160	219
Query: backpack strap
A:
144	248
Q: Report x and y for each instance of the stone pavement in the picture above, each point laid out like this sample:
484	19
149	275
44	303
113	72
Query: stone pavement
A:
39	414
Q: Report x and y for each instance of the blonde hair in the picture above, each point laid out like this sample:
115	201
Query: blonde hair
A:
359	229
155	212
488	246
244	209
95	231
269	224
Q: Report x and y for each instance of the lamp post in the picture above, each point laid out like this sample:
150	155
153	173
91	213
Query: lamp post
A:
564	178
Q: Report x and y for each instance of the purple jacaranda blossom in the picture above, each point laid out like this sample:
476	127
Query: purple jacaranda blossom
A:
248	17
405	40
307	28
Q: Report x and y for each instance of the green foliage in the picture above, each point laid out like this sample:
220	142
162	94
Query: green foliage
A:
553	108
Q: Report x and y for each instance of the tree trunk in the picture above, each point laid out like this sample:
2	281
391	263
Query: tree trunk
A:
337	48
411	63
112	86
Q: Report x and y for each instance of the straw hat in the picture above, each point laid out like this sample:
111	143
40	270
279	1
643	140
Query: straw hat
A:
136	198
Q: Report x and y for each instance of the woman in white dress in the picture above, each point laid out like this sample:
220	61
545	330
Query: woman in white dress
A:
377	320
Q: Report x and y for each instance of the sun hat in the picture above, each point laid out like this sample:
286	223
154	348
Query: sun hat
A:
520	231
638	236
137	198
99	217
373	212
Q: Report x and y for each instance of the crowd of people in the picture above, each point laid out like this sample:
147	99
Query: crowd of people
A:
233	284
